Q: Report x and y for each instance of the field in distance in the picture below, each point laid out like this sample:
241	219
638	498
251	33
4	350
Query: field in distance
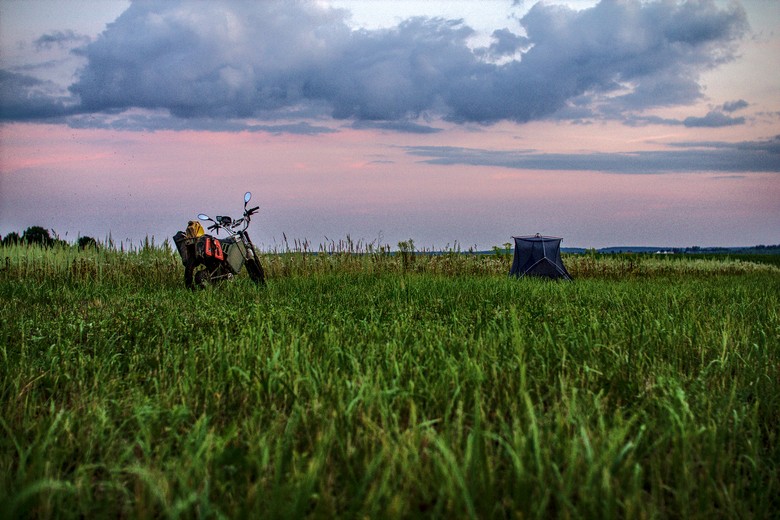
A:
388	385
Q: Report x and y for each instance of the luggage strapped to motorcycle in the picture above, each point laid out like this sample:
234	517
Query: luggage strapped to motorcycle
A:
213	248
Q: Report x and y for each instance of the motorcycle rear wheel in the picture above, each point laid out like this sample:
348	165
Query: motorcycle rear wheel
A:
196	276
202	279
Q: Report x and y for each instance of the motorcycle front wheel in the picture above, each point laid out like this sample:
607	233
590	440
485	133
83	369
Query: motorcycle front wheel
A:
255	271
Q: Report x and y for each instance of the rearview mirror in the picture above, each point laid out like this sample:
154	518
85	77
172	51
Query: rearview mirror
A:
203	216
247	196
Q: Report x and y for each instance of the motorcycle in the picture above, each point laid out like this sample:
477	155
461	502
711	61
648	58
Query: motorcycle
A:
208	259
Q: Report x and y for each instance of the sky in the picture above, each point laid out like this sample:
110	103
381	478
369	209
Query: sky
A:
457	123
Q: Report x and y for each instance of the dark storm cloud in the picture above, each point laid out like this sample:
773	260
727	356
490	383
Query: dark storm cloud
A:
26	98
748	156
227	60
505	44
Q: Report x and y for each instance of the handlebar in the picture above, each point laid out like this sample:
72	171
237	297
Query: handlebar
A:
229	225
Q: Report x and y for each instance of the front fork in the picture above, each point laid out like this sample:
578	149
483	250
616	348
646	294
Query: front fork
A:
253	266
246	243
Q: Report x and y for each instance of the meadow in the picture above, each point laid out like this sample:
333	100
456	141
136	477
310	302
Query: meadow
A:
359	383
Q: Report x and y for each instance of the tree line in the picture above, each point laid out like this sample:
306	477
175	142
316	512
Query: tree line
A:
40	236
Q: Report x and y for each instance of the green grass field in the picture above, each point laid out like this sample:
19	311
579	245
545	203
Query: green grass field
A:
383	386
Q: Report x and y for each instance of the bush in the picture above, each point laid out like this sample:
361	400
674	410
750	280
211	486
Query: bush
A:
11	239
87	242
37	235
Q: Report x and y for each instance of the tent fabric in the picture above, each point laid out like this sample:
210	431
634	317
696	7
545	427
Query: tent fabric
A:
538	255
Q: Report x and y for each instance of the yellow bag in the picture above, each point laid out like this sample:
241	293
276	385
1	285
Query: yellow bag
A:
194	229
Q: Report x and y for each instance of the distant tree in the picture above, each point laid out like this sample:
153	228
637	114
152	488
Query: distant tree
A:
87	242
11	238
37	235
504	252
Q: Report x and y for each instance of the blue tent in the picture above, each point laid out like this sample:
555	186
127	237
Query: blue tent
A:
538	256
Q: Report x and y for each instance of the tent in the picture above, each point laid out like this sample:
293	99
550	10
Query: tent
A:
538	256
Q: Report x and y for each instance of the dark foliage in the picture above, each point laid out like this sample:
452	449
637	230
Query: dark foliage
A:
87	242
11	238
37	235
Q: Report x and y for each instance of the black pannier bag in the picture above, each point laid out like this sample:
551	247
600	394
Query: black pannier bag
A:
185	240
181	241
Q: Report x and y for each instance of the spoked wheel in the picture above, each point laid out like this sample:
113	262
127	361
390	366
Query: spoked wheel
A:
255	271
196	276
202	278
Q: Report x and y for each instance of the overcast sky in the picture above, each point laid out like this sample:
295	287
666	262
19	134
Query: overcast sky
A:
607	123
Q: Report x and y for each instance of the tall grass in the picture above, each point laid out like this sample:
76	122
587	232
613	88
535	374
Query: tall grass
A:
363	385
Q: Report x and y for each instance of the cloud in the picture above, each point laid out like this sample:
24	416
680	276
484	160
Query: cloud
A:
408	127
151	121
25	97
228	60
713	119
733	106
747	156
61	39
505	44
